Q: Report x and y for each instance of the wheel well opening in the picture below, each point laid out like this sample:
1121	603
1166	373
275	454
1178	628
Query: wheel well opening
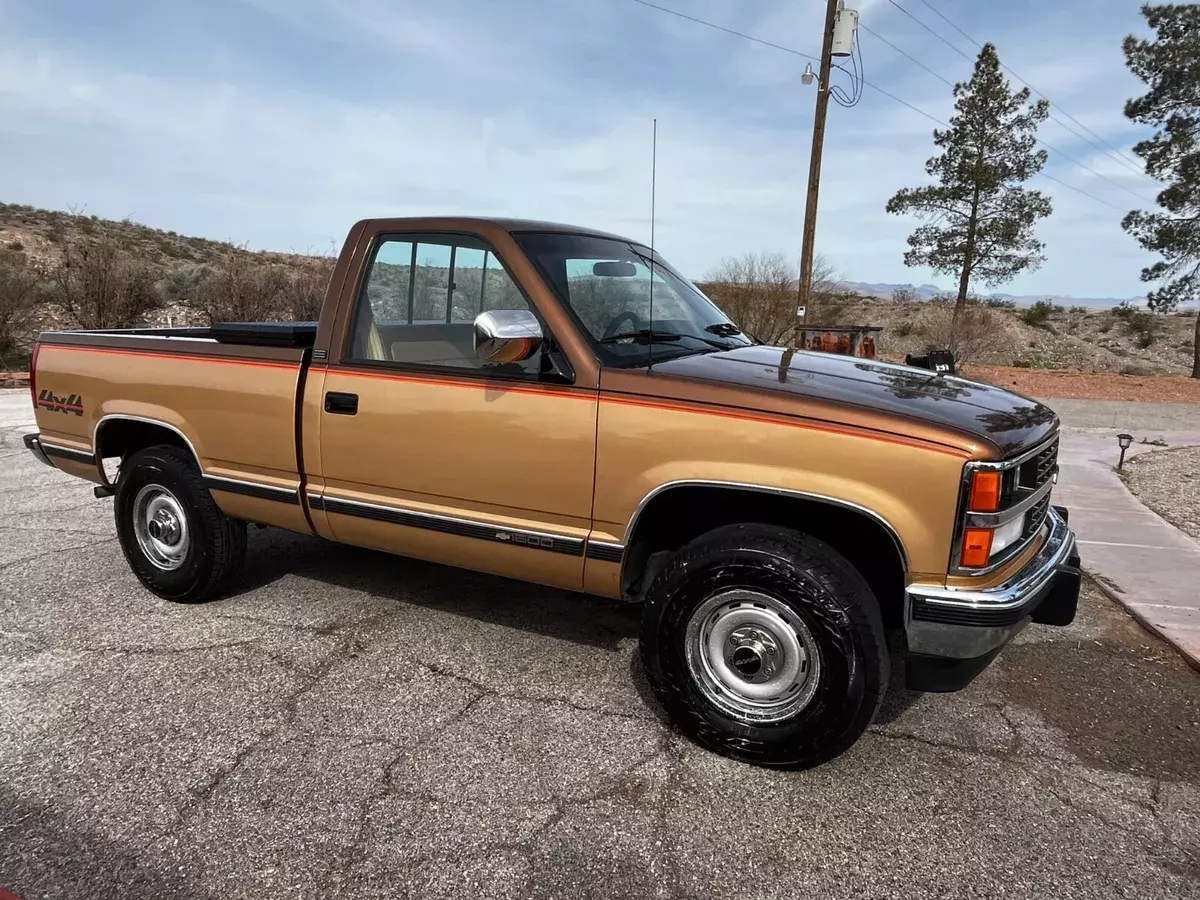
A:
679	515
116	439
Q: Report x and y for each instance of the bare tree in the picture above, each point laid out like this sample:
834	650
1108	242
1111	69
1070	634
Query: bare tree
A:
241	288
19	294
305	286
758	292
98	283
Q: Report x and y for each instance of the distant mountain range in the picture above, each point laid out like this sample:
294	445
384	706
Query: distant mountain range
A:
929	291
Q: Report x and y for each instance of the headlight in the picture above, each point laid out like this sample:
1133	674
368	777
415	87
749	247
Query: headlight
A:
1008	534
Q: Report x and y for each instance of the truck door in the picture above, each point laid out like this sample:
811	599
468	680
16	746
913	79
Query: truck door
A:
430	452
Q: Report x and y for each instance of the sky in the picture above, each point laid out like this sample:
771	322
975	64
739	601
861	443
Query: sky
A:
279	123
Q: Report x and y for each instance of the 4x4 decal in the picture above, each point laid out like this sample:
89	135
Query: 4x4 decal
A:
71	404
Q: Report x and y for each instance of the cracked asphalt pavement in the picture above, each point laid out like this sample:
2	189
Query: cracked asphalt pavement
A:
354	724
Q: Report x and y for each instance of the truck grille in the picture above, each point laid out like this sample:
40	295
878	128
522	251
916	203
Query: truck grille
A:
1034	473
1035	518
1039	469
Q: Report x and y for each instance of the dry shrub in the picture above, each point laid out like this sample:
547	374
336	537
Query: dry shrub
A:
241	288
975	332
830	303
245	287
181	283
20	286
305	286
99	283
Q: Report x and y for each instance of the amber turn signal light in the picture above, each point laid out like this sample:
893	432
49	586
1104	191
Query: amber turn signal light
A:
985	492
976	548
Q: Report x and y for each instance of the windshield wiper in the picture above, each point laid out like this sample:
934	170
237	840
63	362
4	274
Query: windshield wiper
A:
654	336
724	329
647	335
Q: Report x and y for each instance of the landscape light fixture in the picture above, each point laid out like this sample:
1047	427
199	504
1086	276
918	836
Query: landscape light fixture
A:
1124	440
809	74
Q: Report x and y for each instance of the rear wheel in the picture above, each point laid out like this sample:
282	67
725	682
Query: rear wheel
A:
766	645
176	539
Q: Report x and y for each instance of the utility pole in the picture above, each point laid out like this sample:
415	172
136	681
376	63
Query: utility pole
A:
804	298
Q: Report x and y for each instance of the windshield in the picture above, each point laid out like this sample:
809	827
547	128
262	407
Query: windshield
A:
606	283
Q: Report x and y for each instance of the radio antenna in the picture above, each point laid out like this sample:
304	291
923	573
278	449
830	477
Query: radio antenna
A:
653	186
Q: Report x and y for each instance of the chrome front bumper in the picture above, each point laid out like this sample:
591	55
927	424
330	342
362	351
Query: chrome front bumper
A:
953	633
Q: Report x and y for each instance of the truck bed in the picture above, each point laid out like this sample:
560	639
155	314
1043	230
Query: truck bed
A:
228	393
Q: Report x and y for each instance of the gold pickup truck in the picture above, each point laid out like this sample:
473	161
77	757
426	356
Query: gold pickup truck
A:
559	405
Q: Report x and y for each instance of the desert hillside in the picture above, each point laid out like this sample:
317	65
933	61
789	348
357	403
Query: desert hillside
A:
40	234
1121	340
176	279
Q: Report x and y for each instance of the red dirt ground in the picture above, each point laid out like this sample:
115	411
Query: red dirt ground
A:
1076	385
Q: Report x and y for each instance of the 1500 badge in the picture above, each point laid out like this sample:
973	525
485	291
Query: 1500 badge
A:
71	404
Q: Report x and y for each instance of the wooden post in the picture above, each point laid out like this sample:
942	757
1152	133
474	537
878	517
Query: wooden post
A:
804	297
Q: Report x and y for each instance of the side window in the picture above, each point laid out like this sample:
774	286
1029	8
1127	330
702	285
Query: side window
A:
420	301
498	290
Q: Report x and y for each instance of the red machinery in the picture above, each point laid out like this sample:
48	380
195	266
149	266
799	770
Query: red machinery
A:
848	340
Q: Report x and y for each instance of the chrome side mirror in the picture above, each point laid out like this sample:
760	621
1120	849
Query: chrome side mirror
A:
507	335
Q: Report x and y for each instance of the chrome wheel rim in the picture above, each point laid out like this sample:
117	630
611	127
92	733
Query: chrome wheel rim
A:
161	527
752	657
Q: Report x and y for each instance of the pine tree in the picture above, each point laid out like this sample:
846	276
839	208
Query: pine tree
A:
980	218
1170	67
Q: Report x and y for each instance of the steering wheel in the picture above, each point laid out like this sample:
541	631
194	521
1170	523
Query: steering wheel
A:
613	329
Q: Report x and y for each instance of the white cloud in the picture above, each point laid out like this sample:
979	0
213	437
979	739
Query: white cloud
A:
515	129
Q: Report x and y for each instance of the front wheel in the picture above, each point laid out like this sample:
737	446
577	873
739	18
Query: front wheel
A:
175	538
766	645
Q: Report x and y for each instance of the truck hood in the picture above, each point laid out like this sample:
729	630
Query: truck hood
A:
992	415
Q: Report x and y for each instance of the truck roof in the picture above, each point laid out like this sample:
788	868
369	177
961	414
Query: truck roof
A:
415	223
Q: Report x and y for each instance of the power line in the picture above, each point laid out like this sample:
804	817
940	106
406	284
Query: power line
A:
934	33
1111	151
911	59
1127	190
740	34
938	121
937	13
874	87
1081	191
1044	143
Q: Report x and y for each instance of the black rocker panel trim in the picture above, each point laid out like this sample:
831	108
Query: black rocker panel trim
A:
605	552
250	489
570	546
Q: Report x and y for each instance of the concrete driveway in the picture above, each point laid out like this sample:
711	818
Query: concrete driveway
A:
354	724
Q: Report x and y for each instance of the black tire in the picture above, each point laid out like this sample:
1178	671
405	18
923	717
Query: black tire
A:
829	597
215	546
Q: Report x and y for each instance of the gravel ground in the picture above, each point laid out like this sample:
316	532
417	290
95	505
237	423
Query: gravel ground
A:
1168	481
355	724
